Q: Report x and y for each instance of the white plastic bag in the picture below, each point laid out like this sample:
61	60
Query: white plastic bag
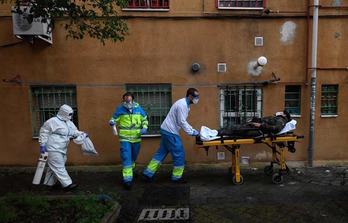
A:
86	144
288	127
207	134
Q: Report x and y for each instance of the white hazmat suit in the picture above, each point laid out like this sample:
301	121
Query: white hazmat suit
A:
55	135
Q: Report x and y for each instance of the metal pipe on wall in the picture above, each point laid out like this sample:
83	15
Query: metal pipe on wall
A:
313	80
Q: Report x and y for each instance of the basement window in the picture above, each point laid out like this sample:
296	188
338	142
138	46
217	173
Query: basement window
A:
240	4
147	5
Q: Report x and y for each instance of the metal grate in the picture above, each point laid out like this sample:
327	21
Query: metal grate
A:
152	4
329	95
258	41
240	3
164	214
46	101
293	99
239	103
221	67
155	99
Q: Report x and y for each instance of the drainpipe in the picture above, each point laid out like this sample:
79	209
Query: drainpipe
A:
307	50
313	80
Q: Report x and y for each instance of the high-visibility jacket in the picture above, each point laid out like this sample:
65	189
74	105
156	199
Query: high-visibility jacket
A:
130	123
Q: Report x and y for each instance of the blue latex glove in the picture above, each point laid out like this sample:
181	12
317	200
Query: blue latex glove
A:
112	123
42	149
143	131
86	134
195	133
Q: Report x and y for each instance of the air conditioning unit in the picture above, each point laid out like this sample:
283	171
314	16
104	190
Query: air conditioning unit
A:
22	28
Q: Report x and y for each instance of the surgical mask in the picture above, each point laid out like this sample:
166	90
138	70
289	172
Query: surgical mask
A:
278	113
128	105
195	100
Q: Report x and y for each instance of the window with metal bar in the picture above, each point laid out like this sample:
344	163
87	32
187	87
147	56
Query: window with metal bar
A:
237	104
293	99
46	101
240	4
329	95
156	100
148	4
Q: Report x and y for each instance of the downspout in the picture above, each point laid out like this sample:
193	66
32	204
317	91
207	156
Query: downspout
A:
313	80
307	50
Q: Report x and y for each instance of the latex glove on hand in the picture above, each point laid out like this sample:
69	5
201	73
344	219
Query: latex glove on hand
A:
112	123
42	149
143	131
195	133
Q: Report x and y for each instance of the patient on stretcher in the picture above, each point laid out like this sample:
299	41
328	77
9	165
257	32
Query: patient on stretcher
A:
278	124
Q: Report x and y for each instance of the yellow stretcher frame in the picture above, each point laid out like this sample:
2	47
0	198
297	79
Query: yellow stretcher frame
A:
233	145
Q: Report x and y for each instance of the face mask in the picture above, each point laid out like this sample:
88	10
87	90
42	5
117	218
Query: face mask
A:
195	100
278	113
70	116
128	105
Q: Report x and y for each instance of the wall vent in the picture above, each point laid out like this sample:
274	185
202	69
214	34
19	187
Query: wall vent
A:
221	67
258	41
220	155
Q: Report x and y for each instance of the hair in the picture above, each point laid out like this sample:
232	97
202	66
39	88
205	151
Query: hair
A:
128	94
287	114
191	91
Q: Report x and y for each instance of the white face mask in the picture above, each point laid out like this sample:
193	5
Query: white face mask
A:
195	100
128	105
278	113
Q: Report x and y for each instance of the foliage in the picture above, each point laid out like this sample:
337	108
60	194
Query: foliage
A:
97	18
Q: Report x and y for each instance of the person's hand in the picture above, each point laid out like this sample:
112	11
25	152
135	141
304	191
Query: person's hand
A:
257	125
143	131
112	123
195	133
42	149
86	134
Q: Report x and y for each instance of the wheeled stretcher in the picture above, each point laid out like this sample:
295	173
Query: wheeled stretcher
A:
273	141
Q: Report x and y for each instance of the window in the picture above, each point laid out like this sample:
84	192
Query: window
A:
46	101
148	4
239	103
329	99
293	100
156	100
240	4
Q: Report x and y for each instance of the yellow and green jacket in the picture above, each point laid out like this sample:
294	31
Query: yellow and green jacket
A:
130	123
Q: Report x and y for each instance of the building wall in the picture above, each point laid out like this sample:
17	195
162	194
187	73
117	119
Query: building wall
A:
161	48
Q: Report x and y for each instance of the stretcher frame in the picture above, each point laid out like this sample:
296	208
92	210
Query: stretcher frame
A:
233	145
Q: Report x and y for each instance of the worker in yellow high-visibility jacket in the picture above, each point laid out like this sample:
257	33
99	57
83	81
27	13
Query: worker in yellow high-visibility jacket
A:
132	122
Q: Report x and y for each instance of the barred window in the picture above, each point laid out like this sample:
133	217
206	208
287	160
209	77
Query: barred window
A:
240	4
293	99
329	95
156	100
46	101
148	4
239	103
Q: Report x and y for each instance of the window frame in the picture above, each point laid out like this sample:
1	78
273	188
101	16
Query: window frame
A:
148	6
45	90
145	107
294	115
239	7
240	114
328	115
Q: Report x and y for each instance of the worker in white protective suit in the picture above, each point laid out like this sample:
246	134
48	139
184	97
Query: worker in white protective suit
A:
54	138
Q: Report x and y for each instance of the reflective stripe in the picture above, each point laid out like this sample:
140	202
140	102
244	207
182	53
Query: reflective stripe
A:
148	170
178	172
127	174
129	128
153	165
56	133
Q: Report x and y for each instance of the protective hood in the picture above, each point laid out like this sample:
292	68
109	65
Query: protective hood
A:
64	112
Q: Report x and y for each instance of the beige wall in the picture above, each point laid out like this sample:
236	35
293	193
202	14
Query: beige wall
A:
162	50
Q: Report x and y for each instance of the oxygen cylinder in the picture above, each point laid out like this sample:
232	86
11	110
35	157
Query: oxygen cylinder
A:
40	168
114	130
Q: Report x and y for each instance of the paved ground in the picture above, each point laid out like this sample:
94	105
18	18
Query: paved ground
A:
307	194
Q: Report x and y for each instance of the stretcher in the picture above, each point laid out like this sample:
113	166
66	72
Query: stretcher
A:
273	141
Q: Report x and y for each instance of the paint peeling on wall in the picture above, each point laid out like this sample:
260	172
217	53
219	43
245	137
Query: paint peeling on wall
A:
288	32
335	2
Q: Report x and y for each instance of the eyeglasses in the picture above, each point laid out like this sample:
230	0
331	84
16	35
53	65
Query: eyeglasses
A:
70	114
196	96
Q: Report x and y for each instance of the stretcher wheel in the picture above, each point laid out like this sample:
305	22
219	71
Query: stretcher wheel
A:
268	170
277	178
235	180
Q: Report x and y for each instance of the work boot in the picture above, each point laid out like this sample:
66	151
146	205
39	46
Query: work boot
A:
146	178
127	185
54	186
70	187
180	181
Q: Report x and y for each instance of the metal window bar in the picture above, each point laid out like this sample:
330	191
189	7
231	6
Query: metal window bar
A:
45	103
241	3
155	99
157	4
293	99
329	99
237	104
